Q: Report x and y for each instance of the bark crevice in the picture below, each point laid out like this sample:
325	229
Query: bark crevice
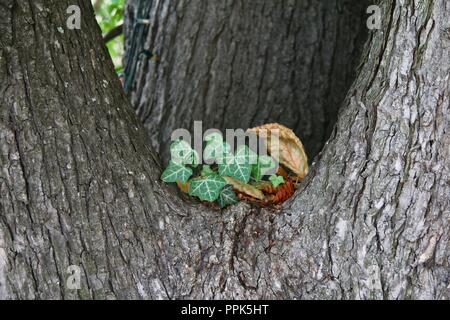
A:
238	65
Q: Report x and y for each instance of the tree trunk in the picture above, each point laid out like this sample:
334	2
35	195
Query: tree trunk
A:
237	64
79	184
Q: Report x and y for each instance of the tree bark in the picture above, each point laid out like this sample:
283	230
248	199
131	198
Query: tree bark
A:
237	64
79	184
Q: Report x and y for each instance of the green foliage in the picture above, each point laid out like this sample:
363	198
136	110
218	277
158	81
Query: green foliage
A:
227	197
109	15
182	153
215	136
209	182
176	172
207	171
276	180
238	166
207	188
216	150
264	164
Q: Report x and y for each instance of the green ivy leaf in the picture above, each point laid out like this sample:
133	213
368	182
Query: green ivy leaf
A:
176	172
267	163
245	155
276	180
256	173
264	165
214	137
238	166
207	188
206	171
227	197
182	153
216	150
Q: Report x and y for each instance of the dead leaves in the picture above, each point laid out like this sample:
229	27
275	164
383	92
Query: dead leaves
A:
275	195
244	188
287	148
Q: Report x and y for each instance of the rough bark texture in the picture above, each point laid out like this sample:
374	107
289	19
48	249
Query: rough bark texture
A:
237	64
79	184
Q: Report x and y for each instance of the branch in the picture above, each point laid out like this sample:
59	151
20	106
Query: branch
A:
113	33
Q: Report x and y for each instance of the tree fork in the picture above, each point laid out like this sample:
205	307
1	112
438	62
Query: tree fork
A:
238	64
80	186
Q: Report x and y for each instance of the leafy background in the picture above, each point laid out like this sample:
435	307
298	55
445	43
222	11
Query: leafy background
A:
109	14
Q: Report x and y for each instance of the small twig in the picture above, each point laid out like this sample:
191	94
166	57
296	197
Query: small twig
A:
113	33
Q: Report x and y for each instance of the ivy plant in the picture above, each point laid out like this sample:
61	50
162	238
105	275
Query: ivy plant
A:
207	188
176	172
226	172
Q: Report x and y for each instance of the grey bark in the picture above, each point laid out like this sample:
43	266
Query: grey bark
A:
236	64
79	184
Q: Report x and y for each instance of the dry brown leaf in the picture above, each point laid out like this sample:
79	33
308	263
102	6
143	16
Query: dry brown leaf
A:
276	195
266	187
291	151
245	188
183	186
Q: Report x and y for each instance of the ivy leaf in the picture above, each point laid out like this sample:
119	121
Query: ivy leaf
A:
230	168
238	166
216	150
256	172
214	137
182	153
227	197
206	171
207	188
276	180
246	156
176	172
265	164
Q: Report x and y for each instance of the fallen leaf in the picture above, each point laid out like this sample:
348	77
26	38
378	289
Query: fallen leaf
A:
291	151
283	192
245	188
183	186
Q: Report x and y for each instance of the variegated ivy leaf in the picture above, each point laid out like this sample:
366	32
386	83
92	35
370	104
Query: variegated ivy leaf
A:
182	153
214	137
227	197
276	180
206	171
246	155
256	173
238	166
207	188
216	150
176	172
264	165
